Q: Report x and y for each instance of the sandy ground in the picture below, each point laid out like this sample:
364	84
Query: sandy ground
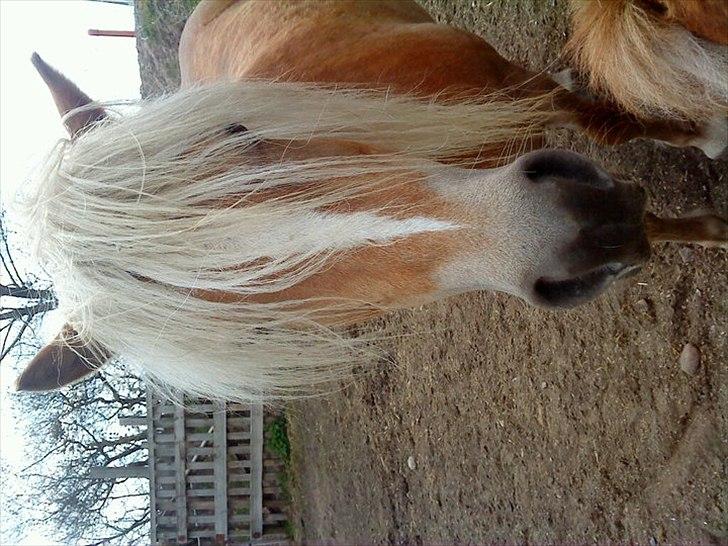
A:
527	426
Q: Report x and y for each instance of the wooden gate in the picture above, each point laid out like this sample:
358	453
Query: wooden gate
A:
205	472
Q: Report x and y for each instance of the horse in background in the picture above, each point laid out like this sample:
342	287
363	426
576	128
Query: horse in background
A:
323	163
656	58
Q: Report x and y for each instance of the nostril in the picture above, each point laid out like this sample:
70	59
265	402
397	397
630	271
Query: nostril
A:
576	290
561	165
571	292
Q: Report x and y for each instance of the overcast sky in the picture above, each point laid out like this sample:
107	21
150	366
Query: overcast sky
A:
105	68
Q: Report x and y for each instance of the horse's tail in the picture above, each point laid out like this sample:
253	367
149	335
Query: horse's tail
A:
645	63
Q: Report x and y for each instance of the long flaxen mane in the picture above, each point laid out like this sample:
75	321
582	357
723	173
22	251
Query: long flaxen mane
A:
139	215
648	66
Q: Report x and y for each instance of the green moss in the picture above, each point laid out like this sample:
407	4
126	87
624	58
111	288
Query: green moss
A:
277	439
154	15
289	529
190	5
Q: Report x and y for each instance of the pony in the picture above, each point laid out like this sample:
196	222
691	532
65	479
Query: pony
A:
323	163
664	58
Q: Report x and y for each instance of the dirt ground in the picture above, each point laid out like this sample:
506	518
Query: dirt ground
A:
526	426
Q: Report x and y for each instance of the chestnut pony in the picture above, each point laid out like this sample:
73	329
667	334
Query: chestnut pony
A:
664	58
323	163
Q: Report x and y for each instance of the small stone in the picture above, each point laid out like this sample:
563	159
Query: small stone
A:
544	385
653	541
411	462
642	304
686	254
689	359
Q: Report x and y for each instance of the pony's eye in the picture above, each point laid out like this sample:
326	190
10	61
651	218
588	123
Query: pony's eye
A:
236	128
657	7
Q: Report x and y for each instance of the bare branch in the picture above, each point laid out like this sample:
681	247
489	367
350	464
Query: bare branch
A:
27	292
7	349
29	311
7	259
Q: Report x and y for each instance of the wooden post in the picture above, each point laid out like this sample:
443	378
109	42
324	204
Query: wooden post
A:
118	472
133	421
256	471
180	459
152	469
220	471
114	33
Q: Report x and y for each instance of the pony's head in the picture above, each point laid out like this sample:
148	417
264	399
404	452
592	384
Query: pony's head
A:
219	238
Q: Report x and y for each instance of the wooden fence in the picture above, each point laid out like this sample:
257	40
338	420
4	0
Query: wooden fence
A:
211	480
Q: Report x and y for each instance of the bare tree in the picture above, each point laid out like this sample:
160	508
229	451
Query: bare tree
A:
73	433
69	434
25	298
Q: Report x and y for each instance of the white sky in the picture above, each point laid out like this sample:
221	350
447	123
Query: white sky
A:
105	68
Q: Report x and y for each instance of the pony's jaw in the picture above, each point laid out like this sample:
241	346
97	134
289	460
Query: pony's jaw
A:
551	228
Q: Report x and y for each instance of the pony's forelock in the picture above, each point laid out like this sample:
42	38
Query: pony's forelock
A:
137	215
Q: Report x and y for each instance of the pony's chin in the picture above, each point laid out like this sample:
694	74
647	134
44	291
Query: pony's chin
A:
565	293
714	140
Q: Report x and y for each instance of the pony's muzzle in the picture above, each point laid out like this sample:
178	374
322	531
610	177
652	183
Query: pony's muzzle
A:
610	241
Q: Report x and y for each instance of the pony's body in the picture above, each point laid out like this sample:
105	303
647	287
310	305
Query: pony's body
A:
217	235
392	44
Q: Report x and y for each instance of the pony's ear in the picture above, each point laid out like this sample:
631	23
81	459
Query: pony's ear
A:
64	361
67	97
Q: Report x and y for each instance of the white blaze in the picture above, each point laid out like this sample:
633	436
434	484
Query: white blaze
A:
281	234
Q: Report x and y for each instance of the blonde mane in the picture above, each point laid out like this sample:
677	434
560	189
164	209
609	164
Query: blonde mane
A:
140	212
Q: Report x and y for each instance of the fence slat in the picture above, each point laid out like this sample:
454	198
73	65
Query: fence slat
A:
114	472
194	422
199	437
207	478
239	492
152	470
201	407
165	409
181	485
202	534
206	492
200	451
256	470
192	465
133	421
220	446
166	493
238	464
